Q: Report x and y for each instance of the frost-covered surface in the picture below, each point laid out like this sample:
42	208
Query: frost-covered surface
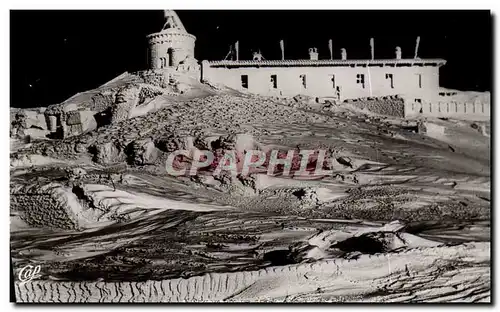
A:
435	274
404	217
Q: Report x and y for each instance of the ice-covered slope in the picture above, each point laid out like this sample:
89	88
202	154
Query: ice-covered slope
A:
144	230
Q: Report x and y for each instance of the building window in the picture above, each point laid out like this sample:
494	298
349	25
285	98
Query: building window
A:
419	76
163	62
332	79
303	80
274	82
244	81
360	78
421	106
391	80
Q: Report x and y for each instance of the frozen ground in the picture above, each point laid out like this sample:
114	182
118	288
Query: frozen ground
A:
405	217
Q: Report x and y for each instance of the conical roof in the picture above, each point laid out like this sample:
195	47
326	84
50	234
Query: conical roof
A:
172	21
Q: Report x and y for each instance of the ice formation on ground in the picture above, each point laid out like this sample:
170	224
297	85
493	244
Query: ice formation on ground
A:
403	217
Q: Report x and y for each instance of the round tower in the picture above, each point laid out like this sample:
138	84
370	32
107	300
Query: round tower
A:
172	45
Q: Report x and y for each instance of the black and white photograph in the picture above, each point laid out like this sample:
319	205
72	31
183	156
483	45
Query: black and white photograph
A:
250	156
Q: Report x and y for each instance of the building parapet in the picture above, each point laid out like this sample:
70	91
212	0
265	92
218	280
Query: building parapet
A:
164	35
381	62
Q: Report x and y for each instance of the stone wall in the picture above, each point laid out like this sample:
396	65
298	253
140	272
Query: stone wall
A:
159	78
78	114
78	122
102	100
386	105
50	205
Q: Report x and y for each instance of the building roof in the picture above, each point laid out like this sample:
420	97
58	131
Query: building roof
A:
172	21
172	27
381	62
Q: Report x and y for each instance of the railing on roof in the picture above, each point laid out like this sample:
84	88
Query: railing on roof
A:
437	62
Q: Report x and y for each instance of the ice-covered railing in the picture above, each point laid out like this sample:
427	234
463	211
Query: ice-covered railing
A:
383	62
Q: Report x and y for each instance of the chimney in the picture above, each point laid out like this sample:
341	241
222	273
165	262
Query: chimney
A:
343	54
313	54
398	53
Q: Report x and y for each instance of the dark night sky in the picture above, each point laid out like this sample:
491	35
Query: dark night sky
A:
55	54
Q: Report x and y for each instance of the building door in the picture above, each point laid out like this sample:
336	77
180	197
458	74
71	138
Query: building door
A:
170	55
336	88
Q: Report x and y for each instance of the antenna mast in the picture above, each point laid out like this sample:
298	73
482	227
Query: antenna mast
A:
372	46
282	45
416	47
237	48
330	46
229	53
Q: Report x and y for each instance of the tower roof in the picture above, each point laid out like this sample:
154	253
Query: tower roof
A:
172	21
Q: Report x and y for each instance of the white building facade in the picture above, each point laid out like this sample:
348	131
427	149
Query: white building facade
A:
338	79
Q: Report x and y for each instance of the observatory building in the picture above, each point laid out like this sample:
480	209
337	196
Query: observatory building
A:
415	80
173	49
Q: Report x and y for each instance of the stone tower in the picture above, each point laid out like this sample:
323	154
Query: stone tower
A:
171	46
